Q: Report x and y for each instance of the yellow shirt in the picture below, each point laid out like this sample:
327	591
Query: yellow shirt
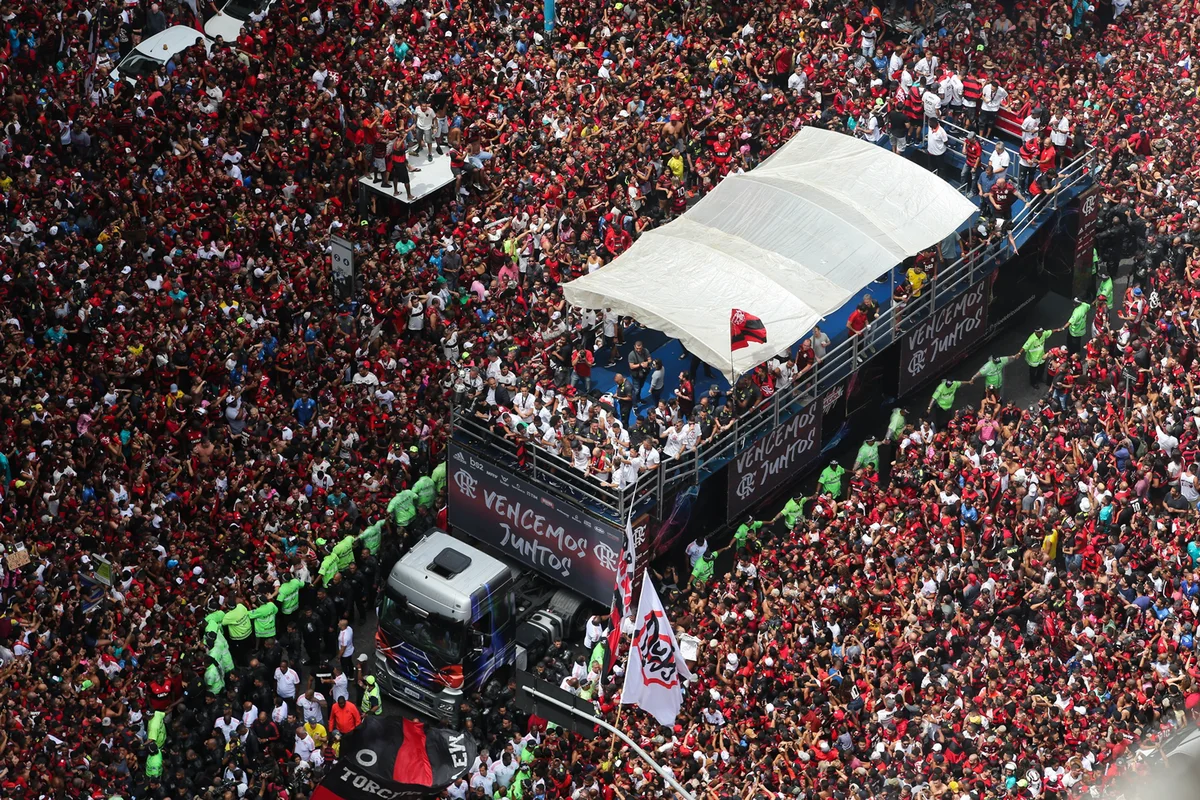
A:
675	164
317	731
916	279
1050	544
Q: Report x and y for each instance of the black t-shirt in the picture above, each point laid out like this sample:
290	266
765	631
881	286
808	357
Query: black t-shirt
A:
899	122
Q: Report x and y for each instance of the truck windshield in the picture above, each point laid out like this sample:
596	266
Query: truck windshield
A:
439	638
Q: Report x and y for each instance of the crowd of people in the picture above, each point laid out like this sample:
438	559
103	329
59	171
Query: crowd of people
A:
187	404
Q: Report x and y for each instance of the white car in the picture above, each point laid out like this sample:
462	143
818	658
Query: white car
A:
233	15
150	54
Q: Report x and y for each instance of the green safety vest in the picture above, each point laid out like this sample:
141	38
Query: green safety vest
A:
1079	318
1035	348
743	532
344	550
264	620
403	506
238	622
371	693
703	571
289	596
1106	289
329	568
868	454
439	477
372	536
895	424
157	729
220	652
213	621
214	679
831	479
792	512
943	395
154	765
425	489
992	372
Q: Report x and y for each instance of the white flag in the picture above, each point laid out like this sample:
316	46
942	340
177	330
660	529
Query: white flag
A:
655	676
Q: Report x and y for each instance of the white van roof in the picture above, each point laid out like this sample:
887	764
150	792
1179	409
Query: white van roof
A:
177	38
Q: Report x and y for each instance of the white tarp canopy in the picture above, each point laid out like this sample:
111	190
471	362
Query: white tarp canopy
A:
788	242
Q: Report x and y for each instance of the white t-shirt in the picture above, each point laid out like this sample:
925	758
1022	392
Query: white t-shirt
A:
311	708
346	641
936	141
424	119
286	683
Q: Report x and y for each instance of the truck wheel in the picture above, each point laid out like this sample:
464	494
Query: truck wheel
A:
568	607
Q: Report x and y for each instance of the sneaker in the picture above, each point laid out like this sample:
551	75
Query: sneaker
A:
430	159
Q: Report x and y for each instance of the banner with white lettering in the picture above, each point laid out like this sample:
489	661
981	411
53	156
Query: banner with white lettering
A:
774	459
388	758
939	341
520	521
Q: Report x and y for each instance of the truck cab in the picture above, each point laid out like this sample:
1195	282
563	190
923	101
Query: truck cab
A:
452	618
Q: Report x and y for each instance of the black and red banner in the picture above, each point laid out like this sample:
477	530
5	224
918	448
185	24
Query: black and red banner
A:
396	759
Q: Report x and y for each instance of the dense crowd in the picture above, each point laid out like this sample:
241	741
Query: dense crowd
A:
1009	614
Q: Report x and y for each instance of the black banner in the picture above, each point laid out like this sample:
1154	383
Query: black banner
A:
939	341
773	459
519	521
396	759
1085	241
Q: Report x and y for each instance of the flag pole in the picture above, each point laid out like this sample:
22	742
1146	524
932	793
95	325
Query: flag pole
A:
613	747
658	768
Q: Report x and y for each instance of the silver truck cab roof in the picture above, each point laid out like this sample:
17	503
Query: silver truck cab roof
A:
441	573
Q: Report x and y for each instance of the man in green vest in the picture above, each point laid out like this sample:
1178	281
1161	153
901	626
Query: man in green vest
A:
156	730
1035	356
868	453
896	424
344	550
403	507
1077	326
943	400
154	760
791	513
742	535
328	568
218	650
992	373
263	618
214	678
214	618
372	702
702	572
288	597
371	536
831	479
241	632
439	478
1105	288
426	490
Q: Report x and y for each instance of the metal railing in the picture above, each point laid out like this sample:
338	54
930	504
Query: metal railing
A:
842	358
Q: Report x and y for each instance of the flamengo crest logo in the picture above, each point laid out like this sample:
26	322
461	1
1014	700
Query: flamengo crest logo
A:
739	317
658	656
466	482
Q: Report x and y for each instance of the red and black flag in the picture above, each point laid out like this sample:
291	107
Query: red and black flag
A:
396	758
745	329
